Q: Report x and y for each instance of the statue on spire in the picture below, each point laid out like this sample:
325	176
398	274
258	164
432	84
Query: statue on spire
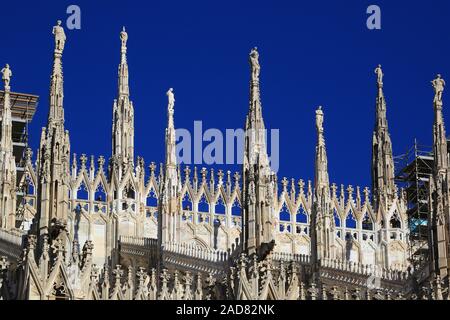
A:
319	119
171	99
60	37
254	62
438	85
379	73
124	38
6	76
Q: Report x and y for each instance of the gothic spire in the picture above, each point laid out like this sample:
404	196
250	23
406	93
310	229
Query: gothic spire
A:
382	159
7	159
322	232
54	150
256	148
440	217
123	67
123	112
322	181
6	139
169	205
56	112
258	181
171	160
440	139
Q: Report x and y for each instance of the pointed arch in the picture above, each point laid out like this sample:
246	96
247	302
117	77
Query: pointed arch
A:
302	215
395	221
350	220
220	207
129	191
367	223
236	208
152	199
82	191
186	202
203	204
100	193
285	215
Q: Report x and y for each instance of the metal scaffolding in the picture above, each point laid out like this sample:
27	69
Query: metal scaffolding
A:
414	171
23	108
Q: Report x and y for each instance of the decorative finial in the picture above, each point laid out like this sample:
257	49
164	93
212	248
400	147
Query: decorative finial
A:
438	85
6	77
254	63
60	37
171	100
379	73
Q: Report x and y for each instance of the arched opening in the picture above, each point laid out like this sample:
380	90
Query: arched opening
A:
350	221
302	216
100	193
284	213
152	200
236	208
186	202
220	206
395	221
367	223
203	205
129	192
82	192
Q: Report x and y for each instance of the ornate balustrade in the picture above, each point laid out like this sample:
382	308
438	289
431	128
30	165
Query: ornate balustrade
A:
300	258
197	252
366	270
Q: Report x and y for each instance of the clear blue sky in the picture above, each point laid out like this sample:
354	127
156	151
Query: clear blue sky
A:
312	53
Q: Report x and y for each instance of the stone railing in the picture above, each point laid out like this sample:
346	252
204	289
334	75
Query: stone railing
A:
300	258
196	252
11	243
365	270
138	241
138	247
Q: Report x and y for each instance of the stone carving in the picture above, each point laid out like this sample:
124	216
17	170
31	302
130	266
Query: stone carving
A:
319	119
254	63
379	73
124	37
6	76
438	85
60	37
171	101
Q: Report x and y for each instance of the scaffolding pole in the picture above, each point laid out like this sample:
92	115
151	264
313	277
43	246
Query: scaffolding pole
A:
415	169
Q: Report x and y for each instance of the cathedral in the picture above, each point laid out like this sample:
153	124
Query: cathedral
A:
112	228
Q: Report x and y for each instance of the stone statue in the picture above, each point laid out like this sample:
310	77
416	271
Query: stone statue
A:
124	37
171	98
438	85
254	62
6	75
379	73
319	119
60	36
